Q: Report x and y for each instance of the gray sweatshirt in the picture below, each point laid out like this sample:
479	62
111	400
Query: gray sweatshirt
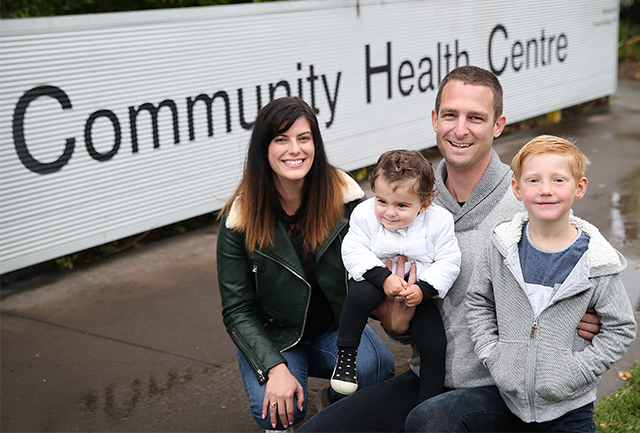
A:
541	365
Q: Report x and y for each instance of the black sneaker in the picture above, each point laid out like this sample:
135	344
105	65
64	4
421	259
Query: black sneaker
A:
344	378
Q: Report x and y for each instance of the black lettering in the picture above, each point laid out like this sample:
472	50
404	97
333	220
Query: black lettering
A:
533	42
272	89
208	102
561	46
447	56
332	104
243	123
153	111
88	140
496	71
18	130
300	82
369	71
542	48
312	79
424	88
516	51
439	68
460	54
402	76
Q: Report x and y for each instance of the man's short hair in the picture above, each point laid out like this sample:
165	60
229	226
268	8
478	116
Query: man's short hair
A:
478	77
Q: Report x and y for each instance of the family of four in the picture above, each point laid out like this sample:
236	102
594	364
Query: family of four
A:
513	312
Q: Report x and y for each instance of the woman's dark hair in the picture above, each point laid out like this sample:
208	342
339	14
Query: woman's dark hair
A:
259	205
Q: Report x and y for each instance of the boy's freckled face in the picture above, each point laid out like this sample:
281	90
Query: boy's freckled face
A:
547	187
396	208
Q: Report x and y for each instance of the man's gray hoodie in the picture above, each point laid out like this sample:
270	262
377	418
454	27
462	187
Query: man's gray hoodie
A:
491	202
541	365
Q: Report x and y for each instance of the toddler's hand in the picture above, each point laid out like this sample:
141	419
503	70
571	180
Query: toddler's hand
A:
413	295
393	285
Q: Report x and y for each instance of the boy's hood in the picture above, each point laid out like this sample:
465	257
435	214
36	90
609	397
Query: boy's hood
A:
600	253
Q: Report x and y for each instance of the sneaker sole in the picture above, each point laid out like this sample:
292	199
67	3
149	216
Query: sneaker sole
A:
344	388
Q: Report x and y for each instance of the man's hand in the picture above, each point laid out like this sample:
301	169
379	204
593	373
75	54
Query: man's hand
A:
589	325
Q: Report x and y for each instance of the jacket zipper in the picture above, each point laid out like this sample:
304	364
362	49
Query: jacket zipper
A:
532	338
254	270
306	308
249	359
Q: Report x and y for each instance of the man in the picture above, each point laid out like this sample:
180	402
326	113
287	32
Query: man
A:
475	186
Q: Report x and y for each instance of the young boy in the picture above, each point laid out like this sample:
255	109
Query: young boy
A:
537	276
399	221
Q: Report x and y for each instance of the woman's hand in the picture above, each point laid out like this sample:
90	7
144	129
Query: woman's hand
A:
281	387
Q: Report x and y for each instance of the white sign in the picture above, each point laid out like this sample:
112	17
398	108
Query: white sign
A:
114	124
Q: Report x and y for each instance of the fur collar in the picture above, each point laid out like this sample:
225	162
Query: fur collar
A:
351	192
599	253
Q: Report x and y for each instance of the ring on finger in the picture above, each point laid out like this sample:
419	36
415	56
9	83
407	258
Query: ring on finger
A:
274	404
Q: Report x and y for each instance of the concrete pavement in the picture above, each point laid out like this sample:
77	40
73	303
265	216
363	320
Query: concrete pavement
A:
136	342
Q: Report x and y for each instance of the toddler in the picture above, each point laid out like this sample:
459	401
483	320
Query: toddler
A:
399	221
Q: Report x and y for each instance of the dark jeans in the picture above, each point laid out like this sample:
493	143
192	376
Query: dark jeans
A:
392	406
385	407
425	327
378	408
578	420
483	410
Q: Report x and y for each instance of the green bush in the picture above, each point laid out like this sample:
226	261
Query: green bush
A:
47	8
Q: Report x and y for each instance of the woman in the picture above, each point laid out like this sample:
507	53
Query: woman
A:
280	271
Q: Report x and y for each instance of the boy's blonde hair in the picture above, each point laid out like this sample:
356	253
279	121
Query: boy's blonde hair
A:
551	144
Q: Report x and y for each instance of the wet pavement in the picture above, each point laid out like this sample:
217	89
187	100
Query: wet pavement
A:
136	342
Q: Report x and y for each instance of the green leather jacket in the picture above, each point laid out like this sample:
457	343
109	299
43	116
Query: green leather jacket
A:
265	295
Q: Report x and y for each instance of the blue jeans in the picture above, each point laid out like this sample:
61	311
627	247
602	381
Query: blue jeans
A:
317	358
463	410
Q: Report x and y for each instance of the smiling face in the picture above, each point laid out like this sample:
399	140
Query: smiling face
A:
547	187
465	125
291	153
397	205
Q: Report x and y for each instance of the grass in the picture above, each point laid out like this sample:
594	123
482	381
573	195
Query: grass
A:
620	411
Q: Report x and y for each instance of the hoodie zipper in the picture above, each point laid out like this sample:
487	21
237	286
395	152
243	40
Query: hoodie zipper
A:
530	393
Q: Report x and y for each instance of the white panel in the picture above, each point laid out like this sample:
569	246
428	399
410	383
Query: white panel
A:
117	61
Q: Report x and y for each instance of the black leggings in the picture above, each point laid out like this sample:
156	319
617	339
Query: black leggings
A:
425	327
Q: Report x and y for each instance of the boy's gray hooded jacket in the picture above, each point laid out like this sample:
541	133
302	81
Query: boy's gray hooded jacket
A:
540	364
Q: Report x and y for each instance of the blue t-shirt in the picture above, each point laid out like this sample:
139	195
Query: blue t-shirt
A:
543	270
